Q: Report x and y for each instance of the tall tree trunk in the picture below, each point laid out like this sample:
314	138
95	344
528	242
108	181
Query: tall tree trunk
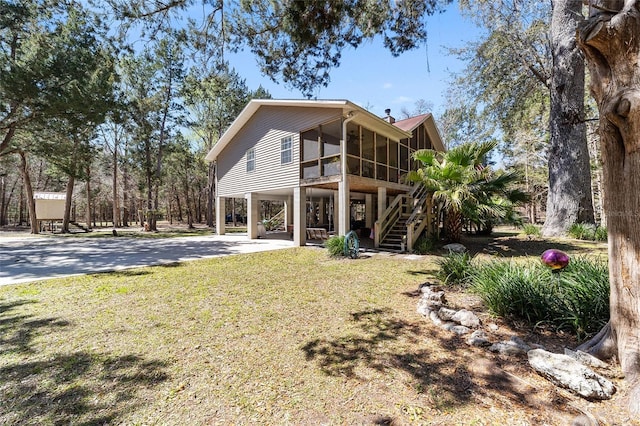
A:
211	193
116	198
125	197
67	205
26	179
88	193
569	199
21	206
3	200
150	218
611	45
7	202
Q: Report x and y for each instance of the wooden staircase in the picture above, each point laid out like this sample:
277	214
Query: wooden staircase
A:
404	220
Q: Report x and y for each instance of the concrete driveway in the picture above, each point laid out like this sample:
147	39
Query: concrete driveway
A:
24	259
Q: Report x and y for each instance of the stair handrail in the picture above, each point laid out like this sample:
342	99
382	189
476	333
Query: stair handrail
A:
419	194
389	218
277	220
419	217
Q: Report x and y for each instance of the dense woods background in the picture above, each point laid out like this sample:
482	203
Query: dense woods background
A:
116	103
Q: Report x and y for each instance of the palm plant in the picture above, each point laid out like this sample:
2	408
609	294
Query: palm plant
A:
465	188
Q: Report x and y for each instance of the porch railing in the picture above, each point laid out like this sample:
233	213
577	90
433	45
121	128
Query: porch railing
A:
397	209
420	215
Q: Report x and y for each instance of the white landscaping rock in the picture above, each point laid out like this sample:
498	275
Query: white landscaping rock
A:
466	318
593	362
446	314
570	374
455	248
478	338
514	346
455	328
586	358
433	294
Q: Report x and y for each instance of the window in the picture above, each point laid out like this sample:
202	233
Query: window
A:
251	160
286	150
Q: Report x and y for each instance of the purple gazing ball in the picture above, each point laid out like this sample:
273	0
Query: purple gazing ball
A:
555	259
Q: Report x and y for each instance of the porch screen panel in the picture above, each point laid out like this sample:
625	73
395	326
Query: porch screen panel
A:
368	147
353	165
310	150
393	153
310	170
404	161
331	135
381	157
353	149
353	139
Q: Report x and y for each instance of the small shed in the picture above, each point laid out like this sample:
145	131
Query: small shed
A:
50	205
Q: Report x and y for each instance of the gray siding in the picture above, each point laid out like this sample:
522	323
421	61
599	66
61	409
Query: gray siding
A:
264	132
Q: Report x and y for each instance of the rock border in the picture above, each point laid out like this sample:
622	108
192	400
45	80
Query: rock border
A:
571	370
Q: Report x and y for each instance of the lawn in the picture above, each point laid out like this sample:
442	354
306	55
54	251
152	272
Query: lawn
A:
284	337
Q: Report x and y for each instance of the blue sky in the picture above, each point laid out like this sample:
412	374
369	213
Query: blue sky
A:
371	77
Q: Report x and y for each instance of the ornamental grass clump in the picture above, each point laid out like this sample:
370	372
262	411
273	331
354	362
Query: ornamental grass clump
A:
335	246
584	296
510	289
531	230
454	268
586	231
575	299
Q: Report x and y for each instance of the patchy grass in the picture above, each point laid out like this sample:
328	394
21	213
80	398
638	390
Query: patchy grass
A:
284	337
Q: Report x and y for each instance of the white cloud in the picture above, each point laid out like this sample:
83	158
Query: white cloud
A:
402	100
387	86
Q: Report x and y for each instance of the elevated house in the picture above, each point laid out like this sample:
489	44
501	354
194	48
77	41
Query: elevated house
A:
335	166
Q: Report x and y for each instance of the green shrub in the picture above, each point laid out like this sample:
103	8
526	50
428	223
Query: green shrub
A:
530	229
423	245
587	231
513	290
583	296
335	245
601	233
454	268
575	299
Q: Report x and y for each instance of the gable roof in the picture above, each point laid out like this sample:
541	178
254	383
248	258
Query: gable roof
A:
362	116
410	124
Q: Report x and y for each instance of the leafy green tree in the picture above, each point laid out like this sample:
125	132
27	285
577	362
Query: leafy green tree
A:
58	82
152	83
528	64
464	187
213	101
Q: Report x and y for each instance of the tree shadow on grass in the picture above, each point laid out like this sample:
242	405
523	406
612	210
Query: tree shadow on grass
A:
514	246
440	365
79	387
385	343
18	330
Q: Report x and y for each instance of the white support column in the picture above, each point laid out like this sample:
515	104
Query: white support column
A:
220	215
368	211
334	214
344	221
288	212
252	215
299	216
382	201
